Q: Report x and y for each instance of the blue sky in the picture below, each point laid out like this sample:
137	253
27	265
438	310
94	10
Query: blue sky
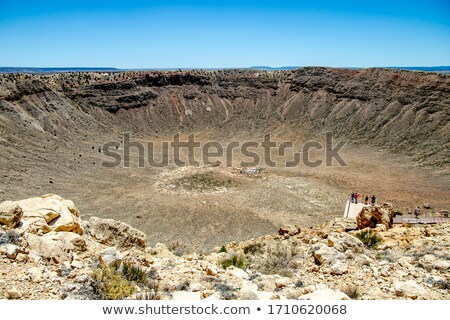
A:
202	34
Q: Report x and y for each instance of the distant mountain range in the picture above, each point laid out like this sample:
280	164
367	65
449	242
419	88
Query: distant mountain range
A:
442	69
53	70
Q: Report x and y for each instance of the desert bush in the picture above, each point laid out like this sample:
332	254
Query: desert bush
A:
253	248
134	273
398	212
369	238
210	279
151	292
278	259
426	267
178	249
352	292
148	295
239	261
152	274
228	292
299	284
253	276
109	284
183	286
443	284
223	249
118	280
9	236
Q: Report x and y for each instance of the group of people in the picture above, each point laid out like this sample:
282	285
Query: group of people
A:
355	197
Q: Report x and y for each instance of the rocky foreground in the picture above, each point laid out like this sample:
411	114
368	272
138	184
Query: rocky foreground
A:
48	252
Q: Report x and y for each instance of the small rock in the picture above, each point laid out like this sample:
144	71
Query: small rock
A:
262	295
325	294
406	262
236	272
441	265
21	257
76	264
209	268
385	271
211	271
290	230
409	289
64	269
433	280
82	279
34	257
283	282
339	268
389	244
53	276
161	251
248	295
110	255
68	287
13	293
321	286
10	250
324	254
35	274
185	295
195	287
214	296
308	289
10	214
248	286
400	274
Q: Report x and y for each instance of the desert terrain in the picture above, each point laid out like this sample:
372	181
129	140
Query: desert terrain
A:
395	124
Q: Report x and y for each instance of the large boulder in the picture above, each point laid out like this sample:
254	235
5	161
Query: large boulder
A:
56	247
370	216
10	214
115	233
50	213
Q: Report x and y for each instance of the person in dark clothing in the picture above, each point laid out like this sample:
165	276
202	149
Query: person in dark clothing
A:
373	200
353	197
417	212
